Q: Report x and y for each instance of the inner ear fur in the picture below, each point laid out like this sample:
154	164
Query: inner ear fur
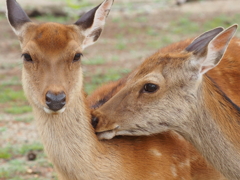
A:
199	44
209	53
92	22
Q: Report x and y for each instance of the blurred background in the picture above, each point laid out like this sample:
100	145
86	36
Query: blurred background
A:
134	30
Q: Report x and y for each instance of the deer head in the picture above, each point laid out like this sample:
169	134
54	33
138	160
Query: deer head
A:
163	92
52	75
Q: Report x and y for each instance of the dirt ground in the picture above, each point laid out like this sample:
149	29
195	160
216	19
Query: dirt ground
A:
133	32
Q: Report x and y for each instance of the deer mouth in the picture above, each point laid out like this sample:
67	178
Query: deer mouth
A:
109	134
49	111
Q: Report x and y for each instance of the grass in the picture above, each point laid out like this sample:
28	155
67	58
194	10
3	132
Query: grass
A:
12	98
5	153
76	4
221	20
102	77
51	18
94	61
11	65
24	119
13	102
30	147
8	94
12	150
18	109
3	129
15	166
184	25
14	169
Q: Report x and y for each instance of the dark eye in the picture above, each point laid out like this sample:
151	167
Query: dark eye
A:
150	88
77	57
27	58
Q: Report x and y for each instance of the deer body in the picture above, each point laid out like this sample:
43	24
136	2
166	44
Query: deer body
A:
52	82
170	91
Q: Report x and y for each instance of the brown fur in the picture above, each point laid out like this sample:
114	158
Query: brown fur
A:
68	138
194	107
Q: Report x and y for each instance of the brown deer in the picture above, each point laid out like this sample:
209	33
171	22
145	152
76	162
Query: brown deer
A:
171	91
52	82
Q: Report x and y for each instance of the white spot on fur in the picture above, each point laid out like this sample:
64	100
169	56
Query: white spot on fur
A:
184	164
174	171
238	43
155	152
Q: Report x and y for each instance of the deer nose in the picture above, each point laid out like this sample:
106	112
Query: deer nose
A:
55	101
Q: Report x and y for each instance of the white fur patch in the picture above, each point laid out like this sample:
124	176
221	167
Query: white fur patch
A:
174	171
49	111
106	135
155	152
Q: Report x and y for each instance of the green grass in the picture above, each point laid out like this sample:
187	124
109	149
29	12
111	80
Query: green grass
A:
184	25
30	147
3	129
13	101
221	20
76	4
121	45
152	32
2	17
13	81
11	65
12	150
24	119
18	109
8	94
4	172
102	77
13	169
15	166
51	18
158	43
94	61
5	153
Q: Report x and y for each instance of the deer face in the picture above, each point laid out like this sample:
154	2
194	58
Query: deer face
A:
52	75
163	94
149	98
52	68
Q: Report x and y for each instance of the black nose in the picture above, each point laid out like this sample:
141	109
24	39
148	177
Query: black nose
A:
55	101
94	122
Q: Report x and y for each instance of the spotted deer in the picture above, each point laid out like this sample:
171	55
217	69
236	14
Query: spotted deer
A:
171	91
52	81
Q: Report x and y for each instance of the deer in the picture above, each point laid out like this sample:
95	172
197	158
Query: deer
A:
172	90
52	80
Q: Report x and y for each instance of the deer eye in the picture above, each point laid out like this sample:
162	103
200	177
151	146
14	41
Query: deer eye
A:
77	57
150	88
27	57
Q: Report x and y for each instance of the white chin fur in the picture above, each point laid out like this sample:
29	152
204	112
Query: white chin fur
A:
49	111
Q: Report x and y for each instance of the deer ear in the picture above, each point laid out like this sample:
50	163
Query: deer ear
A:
200	43
92	22
16	16
209	48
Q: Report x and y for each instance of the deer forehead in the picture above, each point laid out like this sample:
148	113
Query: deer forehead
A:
161	64
52	38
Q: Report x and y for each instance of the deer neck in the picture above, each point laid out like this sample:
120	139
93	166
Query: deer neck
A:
215	129
69	140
